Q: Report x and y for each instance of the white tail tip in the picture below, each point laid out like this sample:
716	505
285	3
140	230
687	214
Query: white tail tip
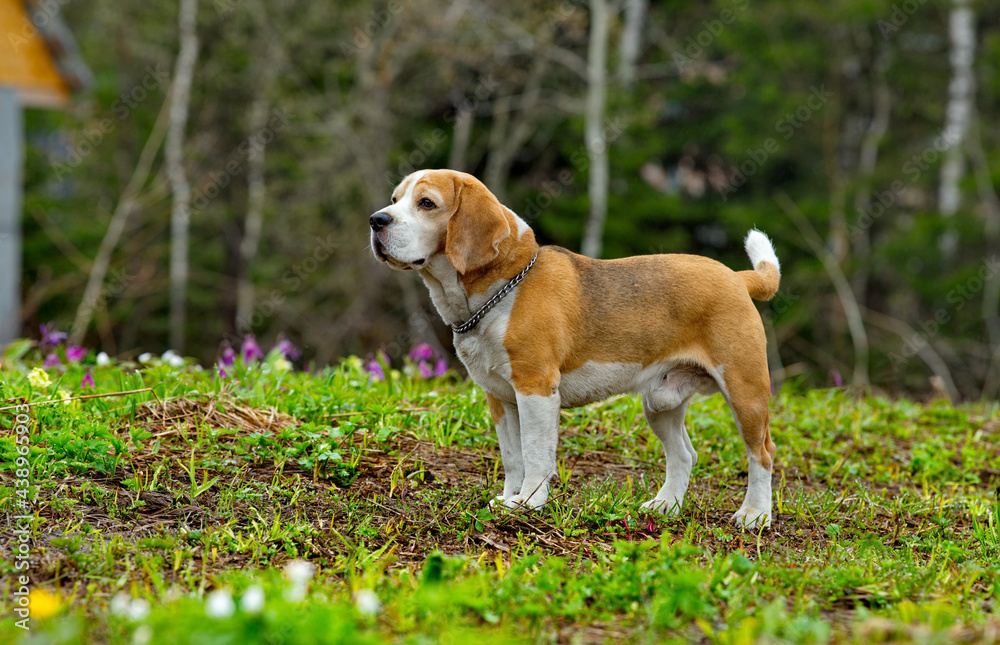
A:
760	249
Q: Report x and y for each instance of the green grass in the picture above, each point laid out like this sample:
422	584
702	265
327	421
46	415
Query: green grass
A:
886	519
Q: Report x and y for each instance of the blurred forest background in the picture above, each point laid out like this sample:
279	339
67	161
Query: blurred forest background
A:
861	135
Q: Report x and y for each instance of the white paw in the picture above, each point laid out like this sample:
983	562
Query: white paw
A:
668	507
751	518
496	501
523	501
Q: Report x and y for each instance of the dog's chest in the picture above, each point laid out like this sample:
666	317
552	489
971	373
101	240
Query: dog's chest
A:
483	353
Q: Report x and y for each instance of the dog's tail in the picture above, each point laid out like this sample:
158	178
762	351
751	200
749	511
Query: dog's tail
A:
762	282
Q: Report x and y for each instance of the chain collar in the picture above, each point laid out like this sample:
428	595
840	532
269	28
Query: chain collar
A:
471	323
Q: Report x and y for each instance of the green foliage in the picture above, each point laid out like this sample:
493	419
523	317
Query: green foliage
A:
370	92
885	523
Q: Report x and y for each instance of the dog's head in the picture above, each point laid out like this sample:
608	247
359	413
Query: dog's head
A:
440	211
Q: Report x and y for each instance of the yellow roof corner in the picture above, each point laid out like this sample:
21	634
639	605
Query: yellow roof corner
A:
27	61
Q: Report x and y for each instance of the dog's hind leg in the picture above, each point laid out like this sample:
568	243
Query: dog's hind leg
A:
748	397
668	426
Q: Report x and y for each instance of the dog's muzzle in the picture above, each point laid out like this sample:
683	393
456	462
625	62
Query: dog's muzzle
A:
379	220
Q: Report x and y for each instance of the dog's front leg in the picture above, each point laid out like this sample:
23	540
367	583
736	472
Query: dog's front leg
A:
539	424
508	427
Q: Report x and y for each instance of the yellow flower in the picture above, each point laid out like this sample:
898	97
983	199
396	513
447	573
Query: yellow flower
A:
64	396
282	365
42	603
39	378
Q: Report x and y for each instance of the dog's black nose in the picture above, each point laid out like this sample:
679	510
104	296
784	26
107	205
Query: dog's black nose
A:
379	220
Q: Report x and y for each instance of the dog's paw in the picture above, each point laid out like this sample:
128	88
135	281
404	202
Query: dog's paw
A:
752	519
523	501
497	501
668	507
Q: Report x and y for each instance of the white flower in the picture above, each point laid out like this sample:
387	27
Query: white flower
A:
119	604
103	359
138	609
282	365
39	378
299	571
171	358
252	601
143	635
132	608
367	602
145	358
219	604
64	396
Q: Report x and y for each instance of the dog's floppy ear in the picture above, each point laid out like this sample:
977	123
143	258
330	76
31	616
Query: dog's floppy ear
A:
476	228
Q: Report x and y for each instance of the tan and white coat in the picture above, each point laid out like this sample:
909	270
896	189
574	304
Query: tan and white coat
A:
577	330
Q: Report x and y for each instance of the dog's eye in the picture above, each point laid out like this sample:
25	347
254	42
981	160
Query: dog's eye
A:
425	203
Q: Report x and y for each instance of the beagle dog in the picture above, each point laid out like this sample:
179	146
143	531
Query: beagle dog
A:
542	328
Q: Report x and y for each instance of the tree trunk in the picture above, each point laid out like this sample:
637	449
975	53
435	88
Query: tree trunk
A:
124	208
961	94
597	147
878	125
991	284
180	215
631	42
260	111
460	140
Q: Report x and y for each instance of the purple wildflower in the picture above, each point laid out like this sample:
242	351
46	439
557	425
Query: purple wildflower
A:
52	360
75	353
228	356
374	368
287	349
250	349
422	352
429	363
88	380
838	381
227	360
52	336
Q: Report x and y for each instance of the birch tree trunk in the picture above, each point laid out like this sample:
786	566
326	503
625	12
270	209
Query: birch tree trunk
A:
180	215
631	42
961	94
597	147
